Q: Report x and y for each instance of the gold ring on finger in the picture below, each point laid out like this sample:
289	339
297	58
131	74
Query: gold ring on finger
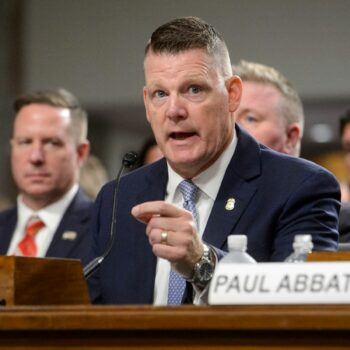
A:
164	237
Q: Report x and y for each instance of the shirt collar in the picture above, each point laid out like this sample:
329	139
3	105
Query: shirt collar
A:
51	213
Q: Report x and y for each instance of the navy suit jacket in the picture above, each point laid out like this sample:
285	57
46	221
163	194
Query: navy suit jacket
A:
344	223
276	197
76	218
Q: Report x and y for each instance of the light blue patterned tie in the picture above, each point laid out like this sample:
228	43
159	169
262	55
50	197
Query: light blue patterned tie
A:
176	283
190	191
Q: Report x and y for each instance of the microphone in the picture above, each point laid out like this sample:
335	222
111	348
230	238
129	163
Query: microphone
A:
128	161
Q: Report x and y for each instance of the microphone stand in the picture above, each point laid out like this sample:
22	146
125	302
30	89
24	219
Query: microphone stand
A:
129	161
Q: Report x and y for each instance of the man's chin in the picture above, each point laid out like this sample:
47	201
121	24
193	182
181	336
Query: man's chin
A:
38	192
187	167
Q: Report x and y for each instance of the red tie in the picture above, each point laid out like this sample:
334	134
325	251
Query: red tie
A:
27	245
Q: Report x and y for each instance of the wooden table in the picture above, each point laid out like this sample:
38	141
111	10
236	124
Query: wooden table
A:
182	327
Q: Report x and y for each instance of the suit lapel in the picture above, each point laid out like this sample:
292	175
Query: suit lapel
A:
71	227
155	183
236	191
7	227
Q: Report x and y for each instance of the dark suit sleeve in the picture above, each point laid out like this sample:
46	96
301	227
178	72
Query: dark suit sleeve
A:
312	208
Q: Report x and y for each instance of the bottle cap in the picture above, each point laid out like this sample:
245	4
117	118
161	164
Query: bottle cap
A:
237	242
302	238
303	241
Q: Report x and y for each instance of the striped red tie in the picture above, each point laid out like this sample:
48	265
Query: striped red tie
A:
27	246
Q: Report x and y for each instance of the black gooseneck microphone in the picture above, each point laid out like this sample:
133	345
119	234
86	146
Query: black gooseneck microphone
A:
129	161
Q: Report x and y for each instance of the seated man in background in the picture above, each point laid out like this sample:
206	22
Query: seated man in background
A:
215	180
344	131
48	146
344	216
270	108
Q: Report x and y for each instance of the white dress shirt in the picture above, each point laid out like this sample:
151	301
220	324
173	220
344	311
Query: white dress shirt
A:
50	215
208	182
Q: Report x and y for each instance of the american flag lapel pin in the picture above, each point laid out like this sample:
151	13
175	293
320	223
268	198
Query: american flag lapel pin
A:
69	235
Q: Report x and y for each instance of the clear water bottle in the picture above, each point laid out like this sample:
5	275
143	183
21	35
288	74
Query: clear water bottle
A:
237	246
302	246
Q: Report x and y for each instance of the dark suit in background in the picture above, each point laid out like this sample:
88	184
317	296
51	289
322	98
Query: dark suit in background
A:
76	219
344	223
276	197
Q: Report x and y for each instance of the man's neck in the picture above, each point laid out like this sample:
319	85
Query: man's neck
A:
40	202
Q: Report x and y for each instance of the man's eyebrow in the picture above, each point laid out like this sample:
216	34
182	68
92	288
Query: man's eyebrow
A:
245	110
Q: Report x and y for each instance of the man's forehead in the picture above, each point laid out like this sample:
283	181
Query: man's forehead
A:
187	55
189	64
36	117
36	110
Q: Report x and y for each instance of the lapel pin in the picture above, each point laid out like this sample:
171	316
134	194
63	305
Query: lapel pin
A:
69	236
230	204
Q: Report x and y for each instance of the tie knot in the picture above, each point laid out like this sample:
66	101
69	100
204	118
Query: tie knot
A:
189	190
33	226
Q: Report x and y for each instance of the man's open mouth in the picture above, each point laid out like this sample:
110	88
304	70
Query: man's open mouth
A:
181	135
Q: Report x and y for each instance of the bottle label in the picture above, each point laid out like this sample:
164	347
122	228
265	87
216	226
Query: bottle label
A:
281	283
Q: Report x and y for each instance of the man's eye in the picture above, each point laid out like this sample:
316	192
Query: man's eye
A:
23	142
54	142
250	119
194	89
159	94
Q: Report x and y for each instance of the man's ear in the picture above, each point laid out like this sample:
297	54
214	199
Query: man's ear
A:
83	150
293	133
145	101
234	88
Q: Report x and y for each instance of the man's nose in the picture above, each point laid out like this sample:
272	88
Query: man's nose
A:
176	108
37	154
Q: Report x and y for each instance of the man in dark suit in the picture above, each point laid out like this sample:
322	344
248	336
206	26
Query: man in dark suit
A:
344	223
344	215
48	147
174	216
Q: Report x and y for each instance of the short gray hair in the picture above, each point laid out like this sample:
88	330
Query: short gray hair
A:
186	33
291	106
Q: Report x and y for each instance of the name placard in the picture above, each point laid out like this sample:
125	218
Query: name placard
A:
281	283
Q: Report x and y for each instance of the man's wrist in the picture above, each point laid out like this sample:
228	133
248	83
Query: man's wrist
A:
204	269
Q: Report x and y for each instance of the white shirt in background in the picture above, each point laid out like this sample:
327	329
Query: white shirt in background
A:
50	215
